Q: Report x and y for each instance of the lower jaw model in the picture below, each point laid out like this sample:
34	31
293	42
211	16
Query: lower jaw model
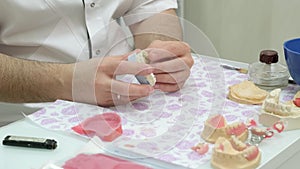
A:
234	154
233	148
216	127
273	110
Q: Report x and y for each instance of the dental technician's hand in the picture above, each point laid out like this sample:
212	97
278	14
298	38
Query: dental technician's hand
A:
172	61
94	81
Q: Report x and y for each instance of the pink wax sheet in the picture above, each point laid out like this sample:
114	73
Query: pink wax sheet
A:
100	161
106	126
166	126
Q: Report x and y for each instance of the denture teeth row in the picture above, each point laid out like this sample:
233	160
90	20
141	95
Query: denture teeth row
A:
223	155
272	104
237	155
233	126
249	151
258	131
239	145
274	95
280	108
231	129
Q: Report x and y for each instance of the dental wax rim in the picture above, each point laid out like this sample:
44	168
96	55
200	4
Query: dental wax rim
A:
246	93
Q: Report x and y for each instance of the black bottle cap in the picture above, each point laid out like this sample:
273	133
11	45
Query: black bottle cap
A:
268	56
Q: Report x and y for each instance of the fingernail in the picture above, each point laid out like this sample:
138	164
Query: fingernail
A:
150	70
156	86
137	50
151	90
153	55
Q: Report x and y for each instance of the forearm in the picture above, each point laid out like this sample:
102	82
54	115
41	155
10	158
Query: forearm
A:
32	81
163	26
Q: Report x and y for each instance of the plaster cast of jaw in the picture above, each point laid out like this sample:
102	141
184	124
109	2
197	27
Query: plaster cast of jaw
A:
273	111
142	57
216	127
234	154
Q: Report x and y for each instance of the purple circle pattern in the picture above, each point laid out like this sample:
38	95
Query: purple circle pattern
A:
63	115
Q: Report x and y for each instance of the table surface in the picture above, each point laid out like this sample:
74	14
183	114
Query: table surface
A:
275	152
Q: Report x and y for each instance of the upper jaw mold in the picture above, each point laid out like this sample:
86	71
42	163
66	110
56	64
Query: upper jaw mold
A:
216	127
273	111
234	154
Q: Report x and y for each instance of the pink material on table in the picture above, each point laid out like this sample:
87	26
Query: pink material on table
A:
106	126
100	161
162	122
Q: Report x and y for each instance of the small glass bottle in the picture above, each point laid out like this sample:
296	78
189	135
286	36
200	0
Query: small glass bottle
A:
268	74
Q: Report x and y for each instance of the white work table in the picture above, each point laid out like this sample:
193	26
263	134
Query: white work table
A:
282	151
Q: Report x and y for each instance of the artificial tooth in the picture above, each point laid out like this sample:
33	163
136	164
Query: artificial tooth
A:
248	151
232	126
237	144
257	131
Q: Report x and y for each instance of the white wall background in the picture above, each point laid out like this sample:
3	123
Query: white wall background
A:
240	29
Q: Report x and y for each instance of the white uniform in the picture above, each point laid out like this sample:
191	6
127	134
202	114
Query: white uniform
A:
69	30
56	30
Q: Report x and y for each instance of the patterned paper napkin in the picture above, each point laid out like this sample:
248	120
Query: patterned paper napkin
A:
166	125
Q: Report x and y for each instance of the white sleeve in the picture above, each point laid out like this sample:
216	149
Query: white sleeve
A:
142	9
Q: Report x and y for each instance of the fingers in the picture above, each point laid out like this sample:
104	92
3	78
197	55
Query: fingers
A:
115	99
169	66
116	65
170	55
171	82
173	78
162	50
159	55
170	62
120	100
122	93
125	57
130	90
167	87
126	67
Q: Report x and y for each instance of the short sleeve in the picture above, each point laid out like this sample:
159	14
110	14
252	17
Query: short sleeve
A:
142	9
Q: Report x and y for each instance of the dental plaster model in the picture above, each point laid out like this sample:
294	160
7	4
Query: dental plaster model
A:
246	93
273	111
142	57
216	127
234	154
